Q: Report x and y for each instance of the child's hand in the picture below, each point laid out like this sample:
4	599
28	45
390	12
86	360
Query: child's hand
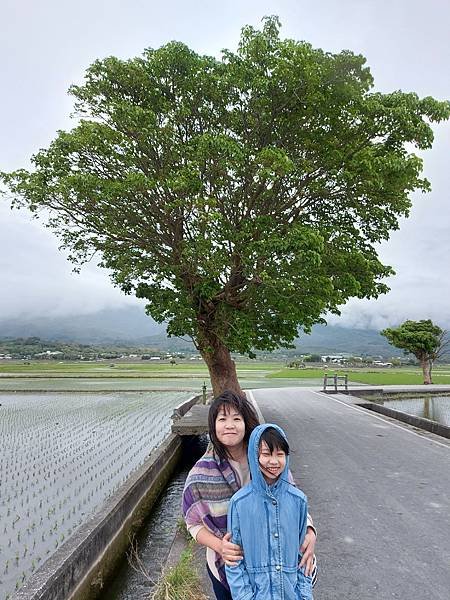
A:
307	551
231	553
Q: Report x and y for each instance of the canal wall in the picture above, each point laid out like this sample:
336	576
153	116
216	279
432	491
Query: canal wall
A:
81	566
361	398
418	422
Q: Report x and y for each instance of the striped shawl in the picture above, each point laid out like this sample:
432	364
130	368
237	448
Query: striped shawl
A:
207	492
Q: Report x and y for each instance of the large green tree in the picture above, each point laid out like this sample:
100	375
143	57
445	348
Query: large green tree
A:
241	197
425	340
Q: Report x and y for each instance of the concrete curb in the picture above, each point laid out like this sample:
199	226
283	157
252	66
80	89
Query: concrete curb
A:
357	398
419	422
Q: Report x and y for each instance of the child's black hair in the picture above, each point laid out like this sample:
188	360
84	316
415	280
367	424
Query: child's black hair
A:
274	440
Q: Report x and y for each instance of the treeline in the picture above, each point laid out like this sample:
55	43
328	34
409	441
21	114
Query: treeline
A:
35	348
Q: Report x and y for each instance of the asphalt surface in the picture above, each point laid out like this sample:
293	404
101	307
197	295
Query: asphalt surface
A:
379	493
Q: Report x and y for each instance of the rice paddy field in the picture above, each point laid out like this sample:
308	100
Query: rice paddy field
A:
435	408
62	455
109	375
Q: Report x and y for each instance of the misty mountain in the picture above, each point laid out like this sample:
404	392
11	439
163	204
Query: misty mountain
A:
131	325
332	339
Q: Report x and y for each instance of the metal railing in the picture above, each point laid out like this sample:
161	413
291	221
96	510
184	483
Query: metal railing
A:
334	381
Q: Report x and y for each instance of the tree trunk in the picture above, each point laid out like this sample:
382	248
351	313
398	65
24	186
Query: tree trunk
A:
222	369
426	368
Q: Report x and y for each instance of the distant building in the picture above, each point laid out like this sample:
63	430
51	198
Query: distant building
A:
334	358
49	353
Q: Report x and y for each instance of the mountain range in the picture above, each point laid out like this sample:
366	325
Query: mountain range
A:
130	325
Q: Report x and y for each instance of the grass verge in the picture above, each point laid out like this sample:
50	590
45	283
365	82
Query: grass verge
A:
380	399
378	377
181	582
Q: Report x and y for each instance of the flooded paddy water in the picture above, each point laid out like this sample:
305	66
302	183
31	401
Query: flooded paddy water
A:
434	408
62	455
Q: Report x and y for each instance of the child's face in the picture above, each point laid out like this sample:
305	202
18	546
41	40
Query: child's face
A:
271	463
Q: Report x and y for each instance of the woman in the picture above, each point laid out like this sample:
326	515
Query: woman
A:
214	478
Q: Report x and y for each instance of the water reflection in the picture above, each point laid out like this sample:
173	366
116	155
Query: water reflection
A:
434	408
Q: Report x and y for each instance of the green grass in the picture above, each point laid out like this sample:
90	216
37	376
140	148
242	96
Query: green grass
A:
401	376
396	378
182	582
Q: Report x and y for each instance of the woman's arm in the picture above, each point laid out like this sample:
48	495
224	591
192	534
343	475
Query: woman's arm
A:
307	551
304	581
309	543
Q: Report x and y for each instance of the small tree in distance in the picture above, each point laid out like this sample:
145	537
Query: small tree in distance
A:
241	197
313	358
423	339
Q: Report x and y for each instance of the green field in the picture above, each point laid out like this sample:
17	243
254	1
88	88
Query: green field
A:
113	368
109	368
189	375
388	376
40	376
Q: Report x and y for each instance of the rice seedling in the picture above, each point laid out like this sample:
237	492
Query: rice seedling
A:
63	456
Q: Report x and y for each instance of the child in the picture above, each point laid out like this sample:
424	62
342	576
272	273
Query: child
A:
267	518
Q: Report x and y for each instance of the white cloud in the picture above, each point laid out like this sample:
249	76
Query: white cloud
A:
37	279
49	45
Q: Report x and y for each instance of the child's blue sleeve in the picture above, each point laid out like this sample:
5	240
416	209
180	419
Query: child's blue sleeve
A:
304	583
237	577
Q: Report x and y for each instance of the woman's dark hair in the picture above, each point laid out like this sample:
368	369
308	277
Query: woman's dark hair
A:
229	400
274	440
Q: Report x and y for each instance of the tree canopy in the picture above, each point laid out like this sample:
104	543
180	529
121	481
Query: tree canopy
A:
242	197
423	339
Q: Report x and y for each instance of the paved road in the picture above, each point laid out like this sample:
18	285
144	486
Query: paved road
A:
378	491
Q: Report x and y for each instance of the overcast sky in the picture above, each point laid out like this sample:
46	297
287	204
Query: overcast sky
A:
46	45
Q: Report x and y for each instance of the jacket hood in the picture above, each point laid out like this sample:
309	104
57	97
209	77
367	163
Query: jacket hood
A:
258	480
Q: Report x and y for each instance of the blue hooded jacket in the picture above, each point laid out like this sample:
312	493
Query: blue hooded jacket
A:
269	523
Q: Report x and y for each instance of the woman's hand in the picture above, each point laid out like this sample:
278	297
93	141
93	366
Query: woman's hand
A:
231	553
307	551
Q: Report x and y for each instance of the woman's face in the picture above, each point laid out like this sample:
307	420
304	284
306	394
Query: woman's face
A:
230	427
